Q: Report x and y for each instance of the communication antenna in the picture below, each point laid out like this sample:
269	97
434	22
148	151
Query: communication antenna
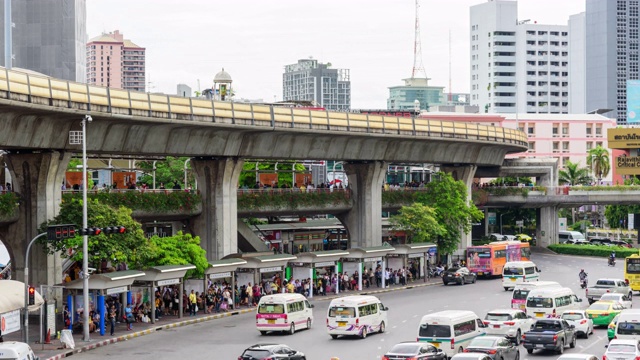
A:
450	90
417	48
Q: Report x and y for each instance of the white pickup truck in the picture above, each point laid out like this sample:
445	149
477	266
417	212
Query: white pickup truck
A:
603	286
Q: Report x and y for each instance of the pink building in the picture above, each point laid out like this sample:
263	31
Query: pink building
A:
567	137
113	61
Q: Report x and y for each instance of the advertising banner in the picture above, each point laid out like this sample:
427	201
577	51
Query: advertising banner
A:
623	138
627	165
479	259
10	322
269	179
633	102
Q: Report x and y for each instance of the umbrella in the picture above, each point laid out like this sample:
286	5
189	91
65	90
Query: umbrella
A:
12	297
335	181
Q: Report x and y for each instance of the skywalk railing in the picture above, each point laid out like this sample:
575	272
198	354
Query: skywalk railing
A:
25	87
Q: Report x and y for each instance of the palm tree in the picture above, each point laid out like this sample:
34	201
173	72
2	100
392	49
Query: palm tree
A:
572	175
598	161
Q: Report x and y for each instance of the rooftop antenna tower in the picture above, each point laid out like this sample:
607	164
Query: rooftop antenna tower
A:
417	48
450	91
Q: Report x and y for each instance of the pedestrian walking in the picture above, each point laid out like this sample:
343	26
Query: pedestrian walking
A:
193	302
112	319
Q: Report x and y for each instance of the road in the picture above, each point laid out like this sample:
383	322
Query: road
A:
226	338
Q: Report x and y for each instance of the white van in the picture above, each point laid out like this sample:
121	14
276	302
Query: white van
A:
628	325
283	312
564	236
517	272
551	302
356	315
451	330
14	350
522	290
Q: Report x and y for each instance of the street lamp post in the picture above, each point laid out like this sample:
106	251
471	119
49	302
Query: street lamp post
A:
85	238
185	172
501	215
154	174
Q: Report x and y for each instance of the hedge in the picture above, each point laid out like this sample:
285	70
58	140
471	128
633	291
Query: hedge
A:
592	250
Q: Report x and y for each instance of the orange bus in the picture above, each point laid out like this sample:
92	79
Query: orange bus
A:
489	259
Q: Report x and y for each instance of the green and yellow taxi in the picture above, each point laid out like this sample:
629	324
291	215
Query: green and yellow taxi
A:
611	329
602	313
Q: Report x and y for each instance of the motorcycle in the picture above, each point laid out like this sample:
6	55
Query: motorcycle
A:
583	283
612	262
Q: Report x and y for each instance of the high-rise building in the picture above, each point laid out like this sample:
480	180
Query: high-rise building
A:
49	37
113	61
611	49
309	80
517	66
404	97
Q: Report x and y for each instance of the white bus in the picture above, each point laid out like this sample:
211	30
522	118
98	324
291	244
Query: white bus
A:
451	330
283	312
551	302
517	272
522	290
356	315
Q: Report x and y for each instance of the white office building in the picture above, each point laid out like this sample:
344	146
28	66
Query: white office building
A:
517	65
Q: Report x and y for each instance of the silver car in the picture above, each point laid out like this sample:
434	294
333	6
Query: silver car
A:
497	347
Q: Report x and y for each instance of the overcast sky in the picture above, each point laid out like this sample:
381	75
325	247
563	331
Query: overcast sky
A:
191	40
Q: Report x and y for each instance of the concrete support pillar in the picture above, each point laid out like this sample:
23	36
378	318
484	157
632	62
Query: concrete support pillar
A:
465	174
547	226
363	221
37	178
217	225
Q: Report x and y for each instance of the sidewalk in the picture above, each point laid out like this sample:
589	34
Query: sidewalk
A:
55	351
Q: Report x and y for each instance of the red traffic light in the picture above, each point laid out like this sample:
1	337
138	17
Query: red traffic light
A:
32	290
114	230
32	295
96	231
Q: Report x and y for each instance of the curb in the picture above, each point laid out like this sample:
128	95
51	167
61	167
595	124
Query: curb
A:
136	334
149	331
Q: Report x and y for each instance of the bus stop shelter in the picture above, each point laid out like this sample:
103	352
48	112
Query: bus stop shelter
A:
267	264
117	282
419	251
369	255
162	276
318	259
223	269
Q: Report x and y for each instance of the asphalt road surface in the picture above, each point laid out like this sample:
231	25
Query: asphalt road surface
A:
226	338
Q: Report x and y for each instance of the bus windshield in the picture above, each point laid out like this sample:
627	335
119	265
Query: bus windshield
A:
429	330
513	271
633	266
271	309
539	302
520	294
342	311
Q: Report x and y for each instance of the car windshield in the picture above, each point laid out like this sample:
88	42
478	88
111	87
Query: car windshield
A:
498	317
611	297
597	306
539	302
512	271
256	354
405	349
342	311
482	342
429	330
271	309
621	348
520	294
572	316
628	328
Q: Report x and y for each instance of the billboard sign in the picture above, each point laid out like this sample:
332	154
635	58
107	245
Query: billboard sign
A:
623	138
633	102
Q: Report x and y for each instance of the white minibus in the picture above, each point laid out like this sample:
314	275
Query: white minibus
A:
451	330
521	291
551	302
628	325
283	312
356	315
15	350
516	272
564	236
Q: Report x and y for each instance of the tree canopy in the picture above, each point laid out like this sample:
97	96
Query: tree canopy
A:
179	249
453	210
574	175
598	161
131	247
419	222
170	171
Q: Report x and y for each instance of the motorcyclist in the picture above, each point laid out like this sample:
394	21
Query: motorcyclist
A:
612	257
582	275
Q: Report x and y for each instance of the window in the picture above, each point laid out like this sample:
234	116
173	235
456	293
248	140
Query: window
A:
342	311
271	309
531	130
529	270
463	328
532	146
430	330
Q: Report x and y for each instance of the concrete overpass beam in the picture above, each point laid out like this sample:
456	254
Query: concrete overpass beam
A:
465	174
363	220
217	225
37	178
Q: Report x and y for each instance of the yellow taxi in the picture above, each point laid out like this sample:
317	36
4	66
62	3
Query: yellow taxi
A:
602	313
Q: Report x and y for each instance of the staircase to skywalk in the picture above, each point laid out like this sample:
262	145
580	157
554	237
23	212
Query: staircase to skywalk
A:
248	241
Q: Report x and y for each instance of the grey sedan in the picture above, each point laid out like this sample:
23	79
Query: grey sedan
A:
497	347
458	275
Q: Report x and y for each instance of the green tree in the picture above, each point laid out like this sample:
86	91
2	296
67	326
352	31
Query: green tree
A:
617	215
170	171
131	247
574	175
598	161
419	222
180	249
454	211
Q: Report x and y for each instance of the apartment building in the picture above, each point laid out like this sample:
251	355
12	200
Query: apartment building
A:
113	61
309	80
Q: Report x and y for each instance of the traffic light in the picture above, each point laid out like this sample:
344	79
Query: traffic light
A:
60	232
32	295
114	230
90	231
